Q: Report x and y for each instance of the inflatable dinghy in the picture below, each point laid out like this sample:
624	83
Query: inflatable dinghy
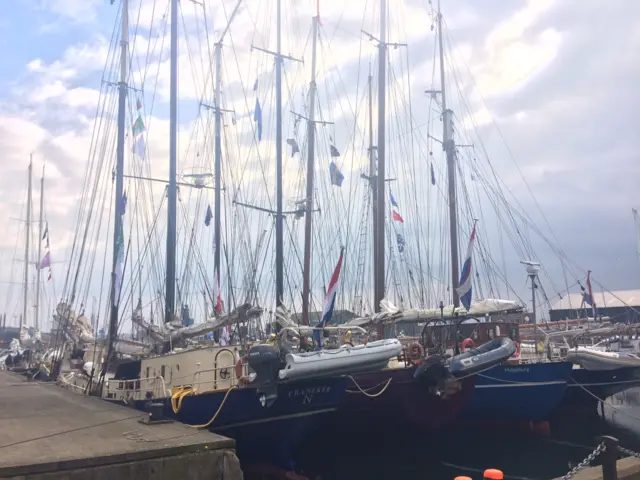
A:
481	358
345	360
592	359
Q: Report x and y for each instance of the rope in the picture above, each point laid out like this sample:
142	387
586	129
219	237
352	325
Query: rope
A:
178	396
365	391
609	404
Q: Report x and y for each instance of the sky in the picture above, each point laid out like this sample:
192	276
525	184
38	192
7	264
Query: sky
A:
555	81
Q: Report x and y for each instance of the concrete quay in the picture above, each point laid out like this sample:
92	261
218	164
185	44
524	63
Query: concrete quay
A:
50	433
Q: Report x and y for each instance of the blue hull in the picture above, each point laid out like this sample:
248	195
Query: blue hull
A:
587	387
518	393
262	434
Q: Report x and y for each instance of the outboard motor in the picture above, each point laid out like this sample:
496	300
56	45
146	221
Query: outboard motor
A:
432	372
264	360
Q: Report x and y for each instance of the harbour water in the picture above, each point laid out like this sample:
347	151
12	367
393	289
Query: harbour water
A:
445	454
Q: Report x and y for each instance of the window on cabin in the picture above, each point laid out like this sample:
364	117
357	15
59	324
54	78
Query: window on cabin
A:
513	334
492	333
148	372
162	371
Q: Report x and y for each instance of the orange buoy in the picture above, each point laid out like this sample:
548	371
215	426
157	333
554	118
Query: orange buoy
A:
463	478
493	474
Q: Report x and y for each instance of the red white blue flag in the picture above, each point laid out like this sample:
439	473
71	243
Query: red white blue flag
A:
466	285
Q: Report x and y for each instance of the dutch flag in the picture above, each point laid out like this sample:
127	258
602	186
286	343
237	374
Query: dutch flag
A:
330	302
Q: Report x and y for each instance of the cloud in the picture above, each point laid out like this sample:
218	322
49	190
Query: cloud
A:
556	85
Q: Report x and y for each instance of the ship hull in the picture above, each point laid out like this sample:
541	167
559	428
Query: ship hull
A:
517	393
262	433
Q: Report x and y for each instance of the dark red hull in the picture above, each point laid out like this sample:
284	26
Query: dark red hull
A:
393	396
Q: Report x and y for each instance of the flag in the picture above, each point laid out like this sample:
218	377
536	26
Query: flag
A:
433	176
208	216
465	288
336	175
138	104
255	85
401	242
138	126
139	147
329	302
397	217
216	293
46	262
46	231
393	200
294	146
257	117
334	151
49	277
588	295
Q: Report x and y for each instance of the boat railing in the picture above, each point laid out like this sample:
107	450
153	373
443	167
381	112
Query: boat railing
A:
221	378
126	389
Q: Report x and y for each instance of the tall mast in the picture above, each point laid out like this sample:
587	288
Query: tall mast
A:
23	319
279	215
311	141
449	147
380	178
37	305
372	175
218	152
170	280
119	206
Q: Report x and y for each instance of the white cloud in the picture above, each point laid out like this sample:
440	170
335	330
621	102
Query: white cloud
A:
81	11
50	113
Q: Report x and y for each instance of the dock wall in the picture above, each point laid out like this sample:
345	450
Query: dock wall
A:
209	465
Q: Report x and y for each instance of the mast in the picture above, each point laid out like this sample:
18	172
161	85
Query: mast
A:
23	319
279	215
449	147
372	175
37	305
311	141
170	280
119	206
380	178
218	148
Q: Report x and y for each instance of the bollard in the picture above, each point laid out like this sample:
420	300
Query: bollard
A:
493	474
610	458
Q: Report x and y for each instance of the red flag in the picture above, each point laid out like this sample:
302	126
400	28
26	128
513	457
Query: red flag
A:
49	278
397	217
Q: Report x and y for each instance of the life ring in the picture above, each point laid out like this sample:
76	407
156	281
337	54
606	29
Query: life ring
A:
517	354
467	343
240	366
415	353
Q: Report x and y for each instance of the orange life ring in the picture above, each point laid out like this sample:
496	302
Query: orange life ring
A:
240	366
467	343
415	353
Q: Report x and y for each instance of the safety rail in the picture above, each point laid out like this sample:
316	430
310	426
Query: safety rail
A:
223	377
127	389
